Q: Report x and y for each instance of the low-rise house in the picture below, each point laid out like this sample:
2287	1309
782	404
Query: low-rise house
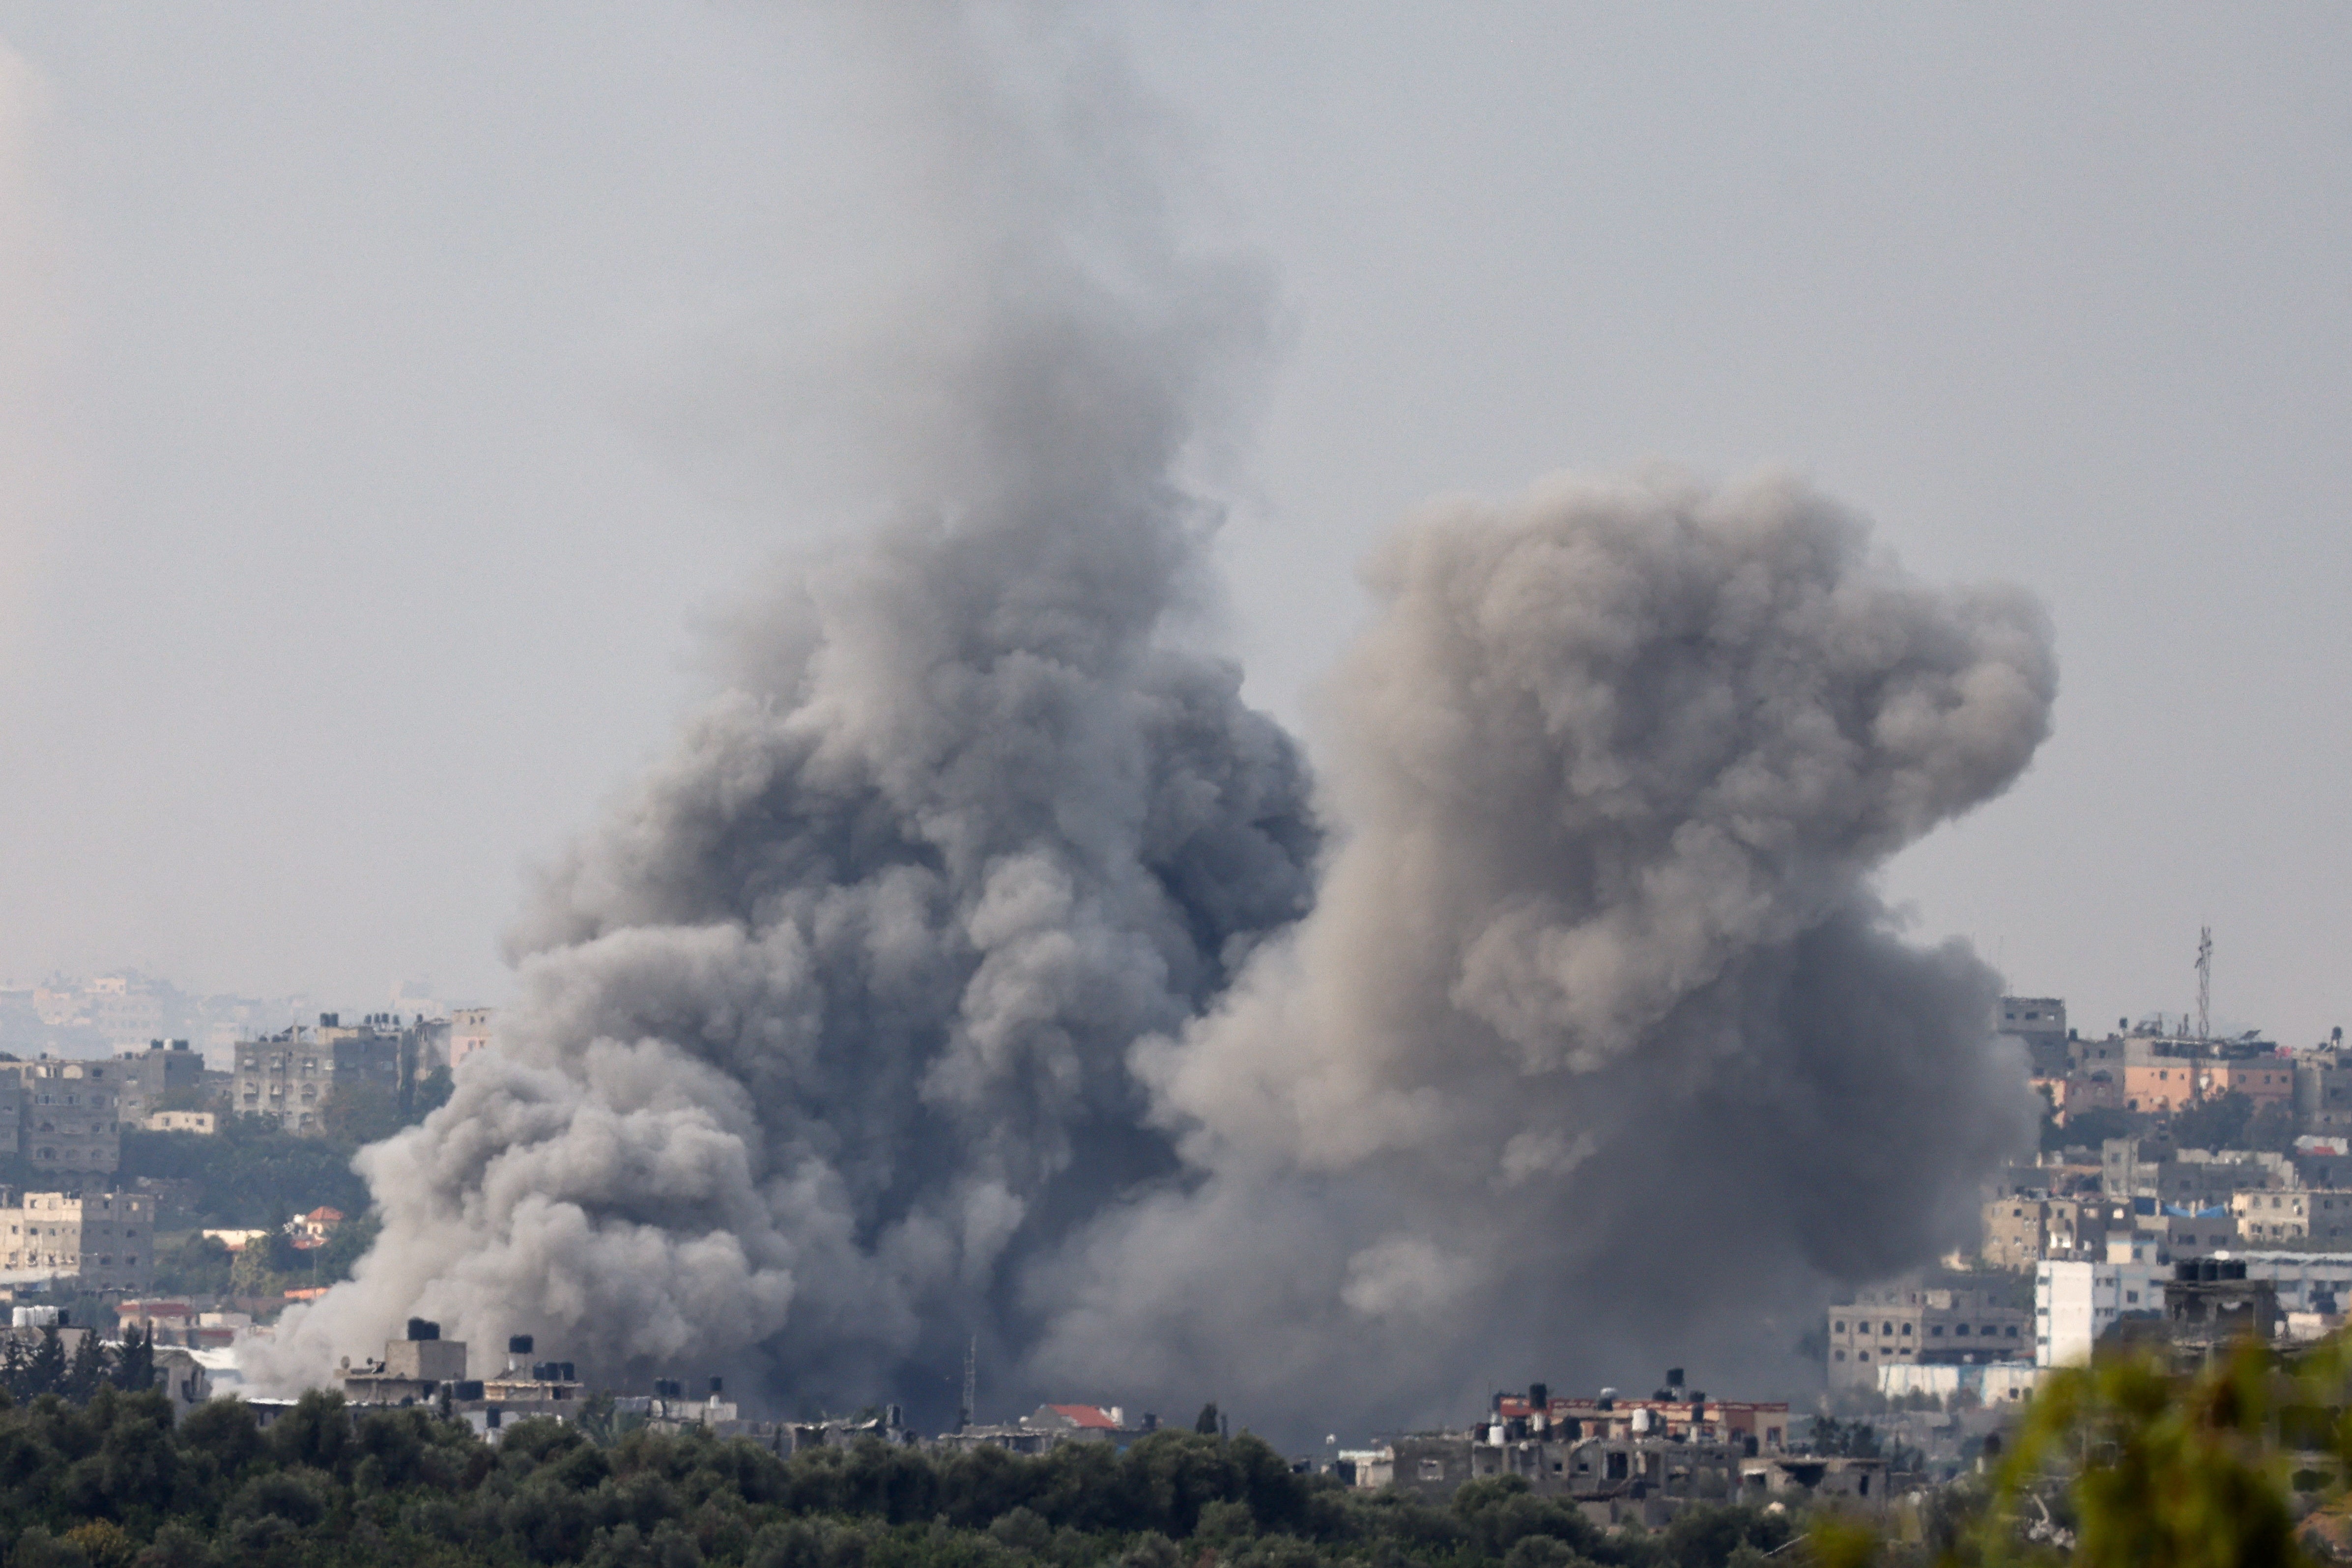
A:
234	1240
413	1369
182	1376
1050	1426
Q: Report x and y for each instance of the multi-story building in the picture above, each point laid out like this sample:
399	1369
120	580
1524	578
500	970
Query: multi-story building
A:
2075	1303
145	1077
2040	1023
102	1241
2323	1092
1913	1325
2306	1281
470	1031
2026	1227
2197	1179
2302	1214
2266	1080
292	1076
65	1114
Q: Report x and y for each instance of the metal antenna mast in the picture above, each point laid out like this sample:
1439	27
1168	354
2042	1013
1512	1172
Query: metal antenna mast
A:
2205	982
970	1384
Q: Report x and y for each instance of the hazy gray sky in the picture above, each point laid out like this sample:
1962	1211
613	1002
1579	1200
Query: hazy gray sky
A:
384	414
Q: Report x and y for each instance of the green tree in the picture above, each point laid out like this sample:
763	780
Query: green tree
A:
251	1173
2216	1124
198	1265
134	1361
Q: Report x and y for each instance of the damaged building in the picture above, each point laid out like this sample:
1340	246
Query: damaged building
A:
1621	1460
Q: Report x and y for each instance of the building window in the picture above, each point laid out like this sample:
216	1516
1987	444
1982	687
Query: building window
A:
1840	1355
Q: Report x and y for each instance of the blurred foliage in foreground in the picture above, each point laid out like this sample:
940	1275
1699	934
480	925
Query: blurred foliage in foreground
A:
2238	1464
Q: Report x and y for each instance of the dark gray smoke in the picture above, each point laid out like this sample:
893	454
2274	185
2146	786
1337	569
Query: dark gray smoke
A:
823	1033
970	968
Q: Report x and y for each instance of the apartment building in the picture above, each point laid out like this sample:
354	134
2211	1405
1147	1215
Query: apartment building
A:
2075	1303
2040	1023
1913	1325
470	1031
101	1241
2324	1213
2323	1092
65	1112
2026	1227
145	1077
292	1076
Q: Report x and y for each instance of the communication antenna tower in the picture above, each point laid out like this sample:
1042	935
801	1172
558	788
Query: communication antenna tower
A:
970	1384
2205	982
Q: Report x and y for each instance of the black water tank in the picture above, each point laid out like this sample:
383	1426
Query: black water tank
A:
1673	1377
1539	1397
569	1376
424	1328
518	1344
718	1386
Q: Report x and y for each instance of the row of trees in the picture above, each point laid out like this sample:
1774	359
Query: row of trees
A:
115	1483
30	1370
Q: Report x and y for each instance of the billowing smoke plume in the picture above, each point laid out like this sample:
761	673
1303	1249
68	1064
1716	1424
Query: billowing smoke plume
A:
1597	1040
824	1033
977	965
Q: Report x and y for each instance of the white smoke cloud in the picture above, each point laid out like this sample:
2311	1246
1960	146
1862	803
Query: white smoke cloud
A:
973	965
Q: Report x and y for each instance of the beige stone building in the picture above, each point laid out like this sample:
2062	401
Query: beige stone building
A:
1909	1326
2322	1214
102	1241
470	1031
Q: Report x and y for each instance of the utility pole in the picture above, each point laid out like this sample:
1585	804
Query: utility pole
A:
971	1384
2205	982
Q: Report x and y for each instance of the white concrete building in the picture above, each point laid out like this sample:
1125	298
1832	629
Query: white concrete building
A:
2075	1303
